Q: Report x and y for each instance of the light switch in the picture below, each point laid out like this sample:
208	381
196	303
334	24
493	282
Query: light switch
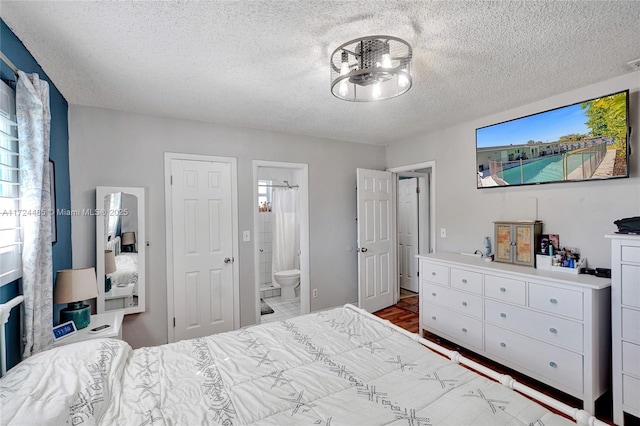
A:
246	236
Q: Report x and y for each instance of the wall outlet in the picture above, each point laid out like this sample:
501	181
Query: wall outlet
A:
443	232
315	292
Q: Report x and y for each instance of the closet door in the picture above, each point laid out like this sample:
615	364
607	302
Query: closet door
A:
408	234
203	247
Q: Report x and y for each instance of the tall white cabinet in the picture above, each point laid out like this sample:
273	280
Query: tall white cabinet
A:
552	326
625	321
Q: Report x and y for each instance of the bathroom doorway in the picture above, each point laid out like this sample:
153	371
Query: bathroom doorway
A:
281	240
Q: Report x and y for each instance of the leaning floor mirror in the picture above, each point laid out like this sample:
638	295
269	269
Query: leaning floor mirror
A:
120	249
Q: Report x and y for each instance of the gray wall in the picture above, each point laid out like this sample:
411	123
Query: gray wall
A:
112	148
580	212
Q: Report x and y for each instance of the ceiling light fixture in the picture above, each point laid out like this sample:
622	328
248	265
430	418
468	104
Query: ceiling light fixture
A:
371	68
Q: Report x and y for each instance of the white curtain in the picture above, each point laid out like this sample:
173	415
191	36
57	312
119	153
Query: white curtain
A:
34	119
285	246
114	204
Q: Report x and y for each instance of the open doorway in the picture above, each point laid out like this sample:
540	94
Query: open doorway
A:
281	240
377	237
415	206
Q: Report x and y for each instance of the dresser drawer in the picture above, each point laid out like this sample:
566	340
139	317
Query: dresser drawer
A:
466	280
435	273
631	285
505	289
631	325
555	300
631	358
630	253
461	328
554	330
464	303
558	365
631	391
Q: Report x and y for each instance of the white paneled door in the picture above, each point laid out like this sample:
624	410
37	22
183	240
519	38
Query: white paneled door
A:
408	233
203	273
376	240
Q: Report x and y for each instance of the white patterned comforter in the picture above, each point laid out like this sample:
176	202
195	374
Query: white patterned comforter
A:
126	269
333	368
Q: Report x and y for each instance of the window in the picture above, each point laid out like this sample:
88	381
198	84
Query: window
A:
10	241
113	224
264	194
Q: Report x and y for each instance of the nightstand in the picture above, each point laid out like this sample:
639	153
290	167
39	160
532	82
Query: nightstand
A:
113	318
119	297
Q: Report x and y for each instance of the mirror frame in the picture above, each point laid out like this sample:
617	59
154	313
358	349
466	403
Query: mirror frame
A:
101	193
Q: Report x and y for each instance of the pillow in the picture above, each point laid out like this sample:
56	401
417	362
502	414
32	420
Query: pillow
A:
71	384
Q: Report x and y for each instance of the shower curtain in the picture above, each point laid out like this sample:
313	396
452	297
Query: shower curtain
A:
285	229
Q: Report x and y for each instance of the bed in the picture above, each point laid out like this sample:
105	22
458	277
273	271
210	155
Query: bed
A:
337	367
126	269
126	266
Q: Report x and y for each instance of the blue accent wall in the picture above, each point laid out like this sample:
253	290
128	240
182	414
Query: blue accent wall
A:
13	49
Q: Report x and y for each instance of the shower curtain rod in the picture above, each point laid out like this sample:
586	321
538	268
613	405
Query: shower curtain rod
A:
280	186
9	63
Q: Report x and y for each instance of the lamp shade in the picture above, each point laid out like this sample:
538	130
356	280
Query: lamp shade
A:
109	262
74	285
128	238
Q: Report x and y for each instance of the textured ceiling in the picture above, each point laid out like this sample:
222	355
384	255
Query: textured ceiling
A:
264	64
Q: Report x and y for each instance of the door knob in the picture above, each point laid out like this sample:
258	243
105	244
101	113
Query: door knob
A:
227	259
363	249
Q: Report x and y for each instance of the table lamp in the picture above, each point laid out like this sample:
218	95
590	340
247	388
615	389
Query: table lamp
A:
109	268
74	286
129	241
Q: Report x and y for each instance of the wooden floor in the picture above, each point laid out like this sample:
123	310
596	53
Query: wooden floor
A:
405	314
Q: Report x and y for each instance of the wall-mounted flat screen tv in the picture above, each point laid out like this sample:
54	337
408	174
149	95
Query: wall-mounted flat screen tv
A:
580	142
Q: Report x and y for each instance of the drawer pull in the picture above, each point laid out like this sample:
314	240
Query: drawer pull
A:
502	289
503	344
433	273
554	301
553	330
433	294
433	318
503	315
464	330
464	281
553	364
464	303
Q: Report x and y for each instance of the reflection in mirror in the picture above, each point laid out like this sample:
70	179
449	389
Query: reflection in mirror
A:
120	259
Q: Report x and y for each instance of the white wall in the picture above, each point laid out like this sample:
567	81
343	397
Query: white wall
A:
113	148
580	212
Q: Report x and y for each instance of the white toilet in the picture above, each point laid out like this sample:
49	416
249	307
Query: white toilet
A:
289	284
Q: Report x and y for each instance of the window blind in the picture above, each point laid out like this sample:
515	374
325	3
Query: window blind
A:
10	237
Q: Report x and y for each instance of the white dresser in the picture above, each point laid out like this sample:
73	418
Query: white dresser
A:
625	319
552	326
